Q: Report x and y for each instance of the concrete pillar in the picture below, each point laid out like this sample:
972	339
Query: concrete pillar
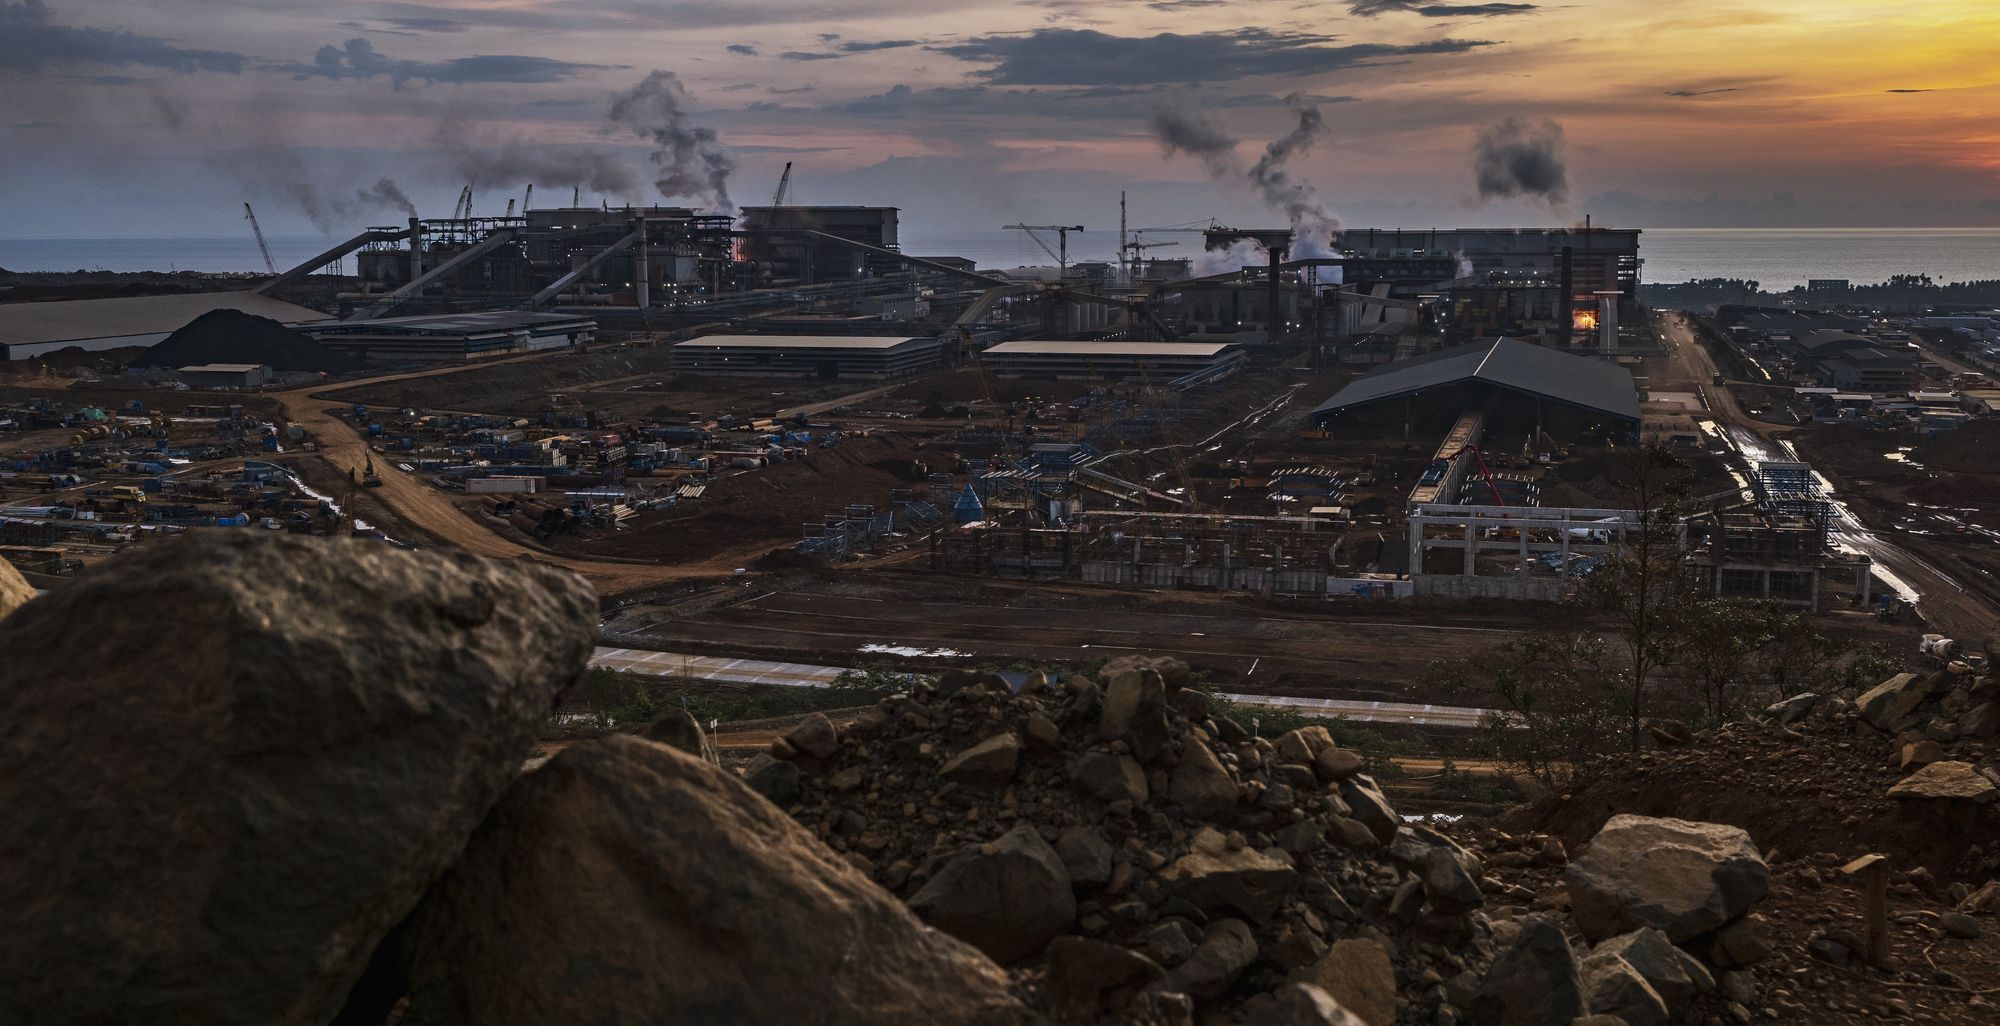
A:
416	249
642	269
1416	544
1764	582
1471	547
1523	531
1867	582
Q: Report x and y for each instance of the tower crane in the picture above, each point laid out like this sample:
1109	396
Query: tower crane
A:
1137	250
525	197
251	216
784	192
1062	240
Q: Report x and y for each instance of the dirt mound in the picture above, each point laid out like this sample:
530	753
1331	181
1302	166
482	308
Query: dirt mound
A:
232	336
1818	783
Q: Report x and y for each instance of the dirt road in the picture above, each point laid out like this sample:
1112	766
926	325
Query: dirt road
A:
1943	600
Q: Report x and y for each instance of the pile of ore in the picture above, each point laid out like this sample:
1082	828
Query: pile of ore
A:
1138	857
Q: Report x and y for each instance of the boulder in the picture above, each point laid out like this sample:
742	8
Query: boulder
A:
1135	712
1086	855
1534	982
1227	948
1200	785
775	779
1109	777
814	737
1656	960
626	880
1173	672
1611	986
1358	974
1888	703
1007	897
1740	944
236	785
1960	925
1681	877
1302	1004
1089	979
1986	898
1370	807
1946	780
1219	880
1333	764
1981	721
15	591
1918	754
679	729
1791	710
990	763
1303	744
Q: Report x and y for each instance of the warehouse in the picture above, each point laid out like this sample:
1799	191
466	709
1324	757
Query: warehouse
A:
814	356
443	338
1161	360
1537	384
225	375
29	330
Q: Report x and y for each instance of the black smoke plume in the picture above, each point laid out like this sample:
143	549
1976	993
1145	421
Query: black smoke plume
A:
1521	158
386	193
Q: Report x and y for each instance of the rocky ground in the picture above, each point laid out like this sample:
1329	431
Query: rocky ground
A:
296	781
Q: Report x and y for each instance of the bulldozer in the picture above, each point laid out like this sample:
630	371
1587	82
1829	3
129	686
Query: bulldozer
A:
370	479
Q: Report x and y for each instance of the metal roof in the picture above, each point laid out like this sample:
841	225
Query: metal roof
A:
1507	363
224	368
804	341
1110	348
83	319
476	323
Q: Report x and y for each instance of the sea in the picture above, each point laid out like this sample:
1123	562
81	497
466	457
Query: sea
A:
1779	258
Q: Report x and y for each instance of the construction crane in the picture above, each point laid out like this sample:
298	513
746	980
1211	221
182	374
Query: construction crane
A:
510	206
1479	459
1062	240
251	216
784	192
576	197
529	195
1137	250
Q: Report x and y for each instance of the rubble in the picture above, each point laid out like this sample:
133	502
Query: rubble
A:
1685	879
1946	781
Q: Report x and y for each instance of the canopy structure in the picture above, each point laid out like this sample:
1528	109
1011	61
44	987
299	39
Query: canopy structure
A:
1506	364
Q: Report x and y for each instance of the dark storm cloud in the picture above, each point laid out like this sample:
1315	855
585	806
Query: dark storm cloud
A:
1089	57
1911	90
1371	8
808	55
1520	158
30	40
358	59
1688	94
742	49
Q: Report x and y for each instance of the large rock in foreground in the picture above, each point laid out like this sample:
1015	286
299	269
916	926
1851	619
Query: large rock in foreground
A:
235	761
1008	897
627	882
15	591
1680	877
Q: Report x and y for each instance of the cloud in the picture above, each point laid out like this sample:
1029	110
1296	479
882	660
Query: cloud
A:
1371	8
424	24
1686	94
808	55
858	46
776	91
1516	157
1089	57
1910	90
742	49
1184	5
358	59
32	126
31	41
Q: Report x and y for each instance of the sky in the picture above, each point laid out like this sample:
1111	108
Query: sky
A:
162	117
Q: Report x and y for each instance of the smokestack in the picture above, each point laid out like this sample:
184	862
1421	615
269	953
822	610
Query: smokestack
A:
416	249
1567	321
642	271
1274	320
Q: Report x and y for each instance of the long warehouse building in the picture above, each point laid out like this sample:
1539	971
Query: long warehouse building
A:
812	356
1161	360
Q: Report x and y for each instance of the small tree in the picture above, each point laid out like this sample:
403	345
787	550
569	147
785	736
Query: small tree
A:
1560	706
1642	589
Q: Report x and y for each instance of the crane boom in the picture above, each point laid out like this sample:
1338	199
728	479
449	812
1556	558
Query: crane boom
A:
784	192
1062	239
251	216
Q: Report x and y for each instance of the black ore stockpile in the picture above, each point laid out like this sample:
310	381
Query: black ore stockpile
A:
232	336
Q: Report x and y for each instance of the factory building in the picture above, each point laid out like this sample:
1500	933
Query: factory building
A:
812	356
225	375
445	338
1855	363
1162	361
787	243
1546	283
29	330
1528	387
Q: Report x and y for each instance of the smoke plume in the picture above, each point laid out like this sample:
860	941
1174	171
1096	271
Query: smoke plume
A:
519	162
1192	134
1521	158
692	160
386	193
